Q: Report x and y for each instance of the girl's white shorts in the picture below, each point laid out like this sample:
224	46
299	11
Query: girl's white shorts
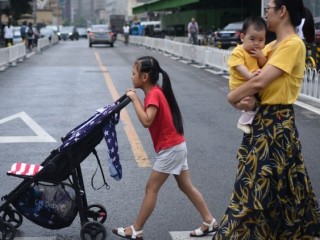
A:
172	160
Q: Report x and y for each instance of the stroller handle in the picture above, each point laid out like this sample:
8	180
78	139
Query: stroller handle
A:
123	101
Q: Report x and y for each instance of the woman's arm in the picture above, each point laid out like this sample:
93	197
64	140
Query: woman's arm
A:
254	85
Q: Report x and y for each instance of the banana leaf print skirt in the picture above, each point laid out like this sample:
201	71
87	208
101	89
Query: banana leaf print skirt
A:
272	197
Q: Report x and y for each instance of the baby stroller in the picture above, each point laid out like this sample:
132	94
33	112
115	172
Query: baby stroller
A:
52	194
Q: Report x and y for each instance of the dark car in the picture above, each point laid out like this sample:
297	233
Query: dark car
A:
229	36
317	27
69	32
101	34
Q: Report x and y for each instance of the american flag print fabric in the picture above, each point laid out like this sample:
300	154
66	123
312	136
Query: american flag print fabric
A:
110	136
109	132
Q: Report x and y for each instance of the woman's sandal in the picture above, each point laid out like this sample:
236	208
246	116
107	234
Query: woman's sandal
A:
212	227
121	233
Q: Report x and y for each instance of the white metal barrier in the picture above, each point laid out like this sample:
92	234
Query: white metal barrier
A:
10	56
4	58
218	59
311	84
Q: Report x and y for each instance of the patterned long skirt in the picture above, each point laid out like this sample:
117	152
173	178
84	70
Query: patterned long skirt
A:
272	196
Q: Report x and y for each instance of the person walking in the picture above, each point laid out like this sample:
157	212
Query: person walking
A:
8	35
193	31
126	32
161	114
30	36
273	197
23	31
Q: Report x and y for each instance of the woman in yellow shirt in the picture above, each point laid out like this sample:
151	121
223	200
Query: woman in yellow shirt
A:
273	196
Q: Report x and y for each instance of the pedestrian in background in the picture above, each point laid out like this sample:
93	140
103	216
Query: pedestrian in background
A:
161	114
30	35
246	61
8	35
126	32
273	197
23	31
193	31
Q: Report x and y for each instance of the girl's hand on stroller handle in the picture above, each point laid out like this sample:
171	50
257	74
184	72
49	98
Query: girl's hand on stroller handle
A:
131	93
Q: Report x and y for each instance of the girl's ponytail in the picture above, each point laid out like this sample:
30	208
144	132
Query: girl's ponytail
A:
167	91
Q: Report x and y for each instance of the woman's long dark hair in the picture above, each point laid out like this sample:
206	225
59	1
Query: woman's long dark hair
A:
308	26
297	11
151	66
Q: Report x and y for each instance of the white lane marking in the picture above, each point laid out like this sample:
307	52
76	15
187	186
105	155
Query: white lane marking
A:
41	135
186	236
308	107
35	238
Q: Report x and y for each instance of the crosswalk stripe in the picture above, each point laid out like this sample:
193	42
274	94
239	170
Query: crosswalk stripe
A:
185	236
35	238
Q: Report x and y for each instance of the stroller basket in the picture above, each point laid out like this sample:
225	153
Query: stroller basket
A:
51	206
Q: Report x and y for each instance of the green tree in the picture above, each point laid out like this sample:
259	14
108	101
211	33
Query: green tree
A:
17	8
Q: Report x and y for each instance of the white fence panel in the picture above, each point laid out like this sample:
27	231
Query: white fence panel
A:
310	87
13	55
4	58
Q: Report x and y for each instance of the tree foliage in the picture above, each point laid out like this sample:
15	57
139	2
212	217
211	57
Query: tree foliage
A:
17	8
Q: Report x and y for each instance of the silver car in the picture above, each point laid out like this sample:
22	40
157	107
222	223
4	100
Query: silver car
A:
101	34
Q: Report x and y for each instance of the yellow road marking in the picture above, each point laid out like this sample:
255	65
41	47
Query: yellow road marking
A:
136	145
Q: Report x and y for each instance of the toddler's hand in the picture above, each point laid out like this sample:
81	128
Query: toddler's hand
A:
256	73
256	53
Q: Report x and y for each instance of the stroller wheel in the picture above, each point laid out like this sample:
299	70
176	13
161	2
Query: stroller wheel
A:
7	231
93	231
13	217
97	213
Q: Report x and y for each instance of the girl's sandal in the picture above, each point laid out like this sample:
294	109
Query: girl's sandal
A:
121	233
212	227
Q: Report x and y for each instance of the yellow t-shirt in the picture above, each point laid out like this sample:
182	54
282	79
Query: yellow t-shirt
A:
289	56
240	56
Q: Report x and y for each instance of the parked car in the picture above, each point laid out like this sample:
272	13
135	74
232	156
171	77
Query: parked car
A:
55	29
101	34
317	27
47	32
229	36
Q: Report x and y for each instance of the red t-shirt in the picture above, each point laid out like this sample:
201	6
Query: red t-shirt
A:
162	130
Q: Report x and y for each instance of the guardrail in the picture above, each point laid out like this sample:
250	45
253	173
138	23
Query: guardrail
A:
204	55
311	84
211	57
10	56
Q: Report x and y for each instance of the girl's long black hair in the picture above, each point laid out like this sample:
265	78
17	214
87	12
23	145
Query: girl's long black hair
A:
150	65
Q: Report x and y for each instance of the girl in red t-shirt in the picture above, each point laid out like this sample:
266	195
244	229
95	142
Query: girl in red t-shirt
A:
161	115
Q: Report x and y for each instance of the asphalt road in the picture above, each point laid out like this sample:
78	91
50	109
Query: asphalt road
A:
62	87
